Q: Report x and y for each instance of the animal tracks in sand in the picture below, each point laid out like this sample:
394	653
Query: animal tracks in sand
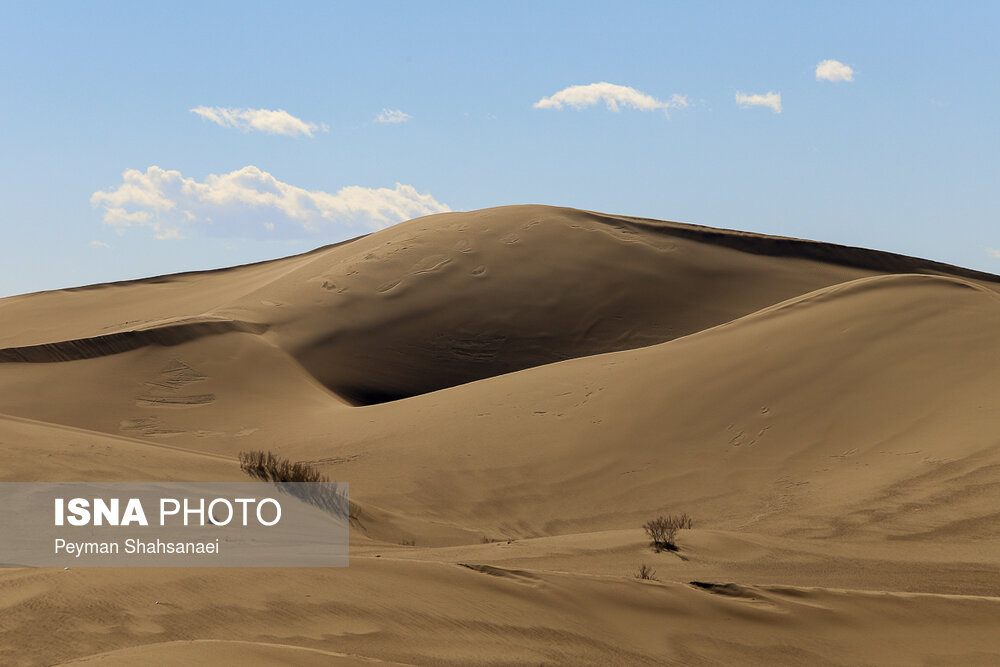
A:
165	390
169	390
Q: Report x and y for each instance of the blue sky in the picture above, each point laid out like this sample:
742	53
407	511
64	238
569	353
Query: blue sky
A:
902	157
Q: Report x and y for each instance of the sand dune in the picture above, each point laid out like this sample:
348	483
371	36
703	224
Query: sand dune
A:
429	612
547	379
258	654
452	298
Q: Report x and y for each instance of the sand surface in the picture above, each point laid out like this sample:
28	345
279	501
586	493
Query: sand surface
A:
511	393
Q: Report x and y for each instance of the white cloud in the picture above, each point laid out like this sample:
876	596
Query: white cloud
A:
98	244
613	97
392	116
834	70
769	100
276	121
247	202
994	252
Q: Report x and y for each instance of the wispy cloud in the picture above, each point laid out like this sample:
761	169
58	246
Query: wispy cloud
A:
834	70
392	116
271	121
613	96
770	100
251	203
98	244
994	252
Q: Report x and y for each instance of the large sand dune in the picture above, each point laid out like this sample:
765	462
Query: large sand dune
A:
547	379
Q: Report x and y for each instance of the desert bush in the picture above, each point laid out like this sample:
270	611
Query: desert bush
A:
646	572
663	530
270	468
267	467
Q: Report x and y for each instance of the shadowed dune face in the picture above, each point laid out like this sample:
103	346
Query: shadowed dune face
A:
450	299
453	298
828	416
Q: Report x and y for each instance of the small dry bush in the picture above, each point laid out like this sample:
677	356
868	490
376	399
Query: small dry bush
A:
270	468
329	497
663	530
646	572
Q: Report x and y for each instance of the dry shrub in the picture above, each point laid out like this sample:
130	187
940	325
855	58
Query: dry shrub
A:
646	572
663	530
329	497
267	467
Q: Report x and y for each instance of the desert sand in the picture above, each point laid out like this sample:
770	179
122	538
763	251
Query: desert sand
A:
511	393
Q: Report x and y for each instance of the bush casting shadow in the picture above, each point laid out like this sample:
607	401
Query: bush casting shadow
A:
663	530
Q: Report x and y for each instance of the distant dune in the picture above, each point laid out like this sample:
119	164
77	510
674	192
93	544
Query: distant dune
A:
511	393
